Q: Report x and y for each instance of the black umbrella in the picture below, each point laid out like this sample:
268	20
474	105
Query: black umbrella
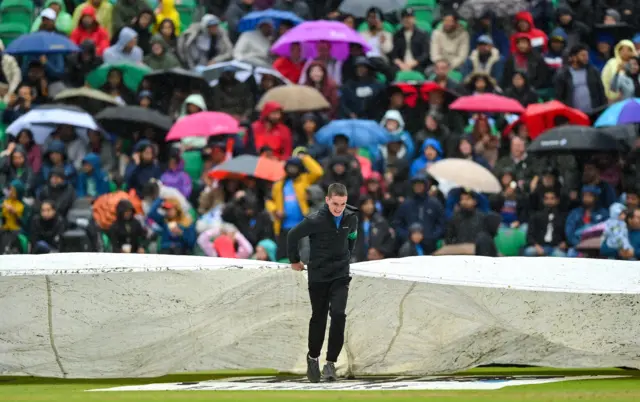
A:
127	119
573	139
177	78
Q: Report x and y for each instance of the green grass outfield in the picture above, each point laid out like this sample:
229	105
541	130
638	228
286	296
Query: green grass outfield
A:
47	389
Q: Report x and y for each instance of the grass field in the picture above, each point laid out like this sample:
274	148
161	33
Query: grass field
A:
611	390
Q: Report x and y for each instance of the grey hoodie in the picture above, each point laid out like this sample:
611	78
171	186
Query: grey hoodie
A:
116	53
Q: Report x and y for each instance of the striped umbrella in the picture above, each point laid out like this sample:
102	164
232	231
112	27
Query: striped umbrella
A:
249	165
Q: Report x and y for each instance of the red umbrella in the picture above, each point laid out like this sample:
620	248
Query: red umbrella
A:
203	124
249	165
487	103
539	117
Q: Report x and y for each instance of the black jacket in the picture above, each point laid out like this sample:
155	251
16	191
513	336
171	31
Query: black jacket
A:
331	247
464	226
564	87
63	196
124	231
379	237
48	231
538	228
538	71
254	228
419	47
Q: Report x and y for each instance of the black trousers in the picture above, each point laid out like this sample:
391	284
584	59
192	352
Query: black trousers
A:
328	298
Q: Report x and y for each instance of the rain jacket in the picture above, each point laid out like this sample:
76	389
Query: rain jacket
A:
493	66
34	152
77	68
178	179
539	39
193	45
68	169
538	71
234	13
98	177
500	39
611	68
124	231
103	14
419	165
11	71
278	137
62	195
577	32
115	54
312	173
400	134
253	47
453	198
186	241
64	22
9	173
47	231
360	97
125	11
97	34
197	100
13	221
450	46
168	11
137	175
575	224
166	60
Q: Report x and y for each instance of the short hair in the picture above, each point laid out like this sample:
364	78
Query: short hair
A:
551	191
338	189
575	49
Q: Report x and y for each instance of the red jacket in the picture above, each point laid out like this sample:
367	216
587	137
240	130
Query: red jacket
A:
288	68
97	34
539	39
278	138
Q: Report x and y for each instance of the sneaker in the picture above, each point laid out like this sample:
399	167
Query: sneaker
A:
313	369
329	372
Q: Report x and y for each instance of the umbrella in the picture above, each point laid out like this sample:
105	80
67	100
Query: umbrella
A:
361	133
575	139
359	8
132	75
624	112
249	165
42	43
177	78
243	71
539	117
250	21
203	124
311	32
127	119
465	173
91	100
295	98
487	103
44	119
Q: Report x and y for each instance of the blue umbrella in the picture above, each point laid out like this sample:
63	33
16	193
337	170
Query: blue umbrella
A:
361	133
250	21
620	113
42	43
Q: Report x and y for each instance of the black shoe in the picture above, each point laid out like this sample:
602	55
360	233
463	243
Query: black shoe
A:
313	369
329	372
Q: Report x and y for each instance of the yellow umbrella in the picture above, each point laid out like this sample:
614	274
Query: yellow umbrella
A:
295	98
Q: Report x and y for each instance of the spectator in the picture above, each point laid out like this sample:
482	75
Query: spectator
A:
143	25
116	87
380	40
519	163
430	152
104	13
167	10
291	67
450	42
14	166
465	150
584	216
525	28
591	176
484	59
603	50
143	167
410	45
577	32
298	7
344	169
523	58
480	83
205	43
376	239
177	230
253	46
46	230
395	125
101	146
161	56
230	96
34	153
582	10
89	29
265	251
578	84
546	231
78	65
318	78
520	90
167	30
359	96
63	21
175	175
47	18
633	224
55	156
234	13
332	66
623	52
436	129
92	181
466	222
59	190
420	208
487	25
413	246
225	242
615	238
10	73
485	244
512	203
271	131
557	49
626	81
127	234
12	215
126	49
124	13
245	214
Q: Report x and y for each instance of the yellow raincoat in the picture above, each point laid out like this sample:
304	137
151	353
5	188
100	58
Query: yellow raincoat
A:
611	68
167	10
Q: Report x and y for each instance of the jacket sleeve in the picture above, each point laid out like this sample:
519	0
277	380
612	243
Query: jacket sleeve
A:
205	243
400	222
301	230
435	53
245	249
242	49
80	186
463	52
314	170
353	235
608	73
154	214
226	46
10	64
571	227
532	230
188	237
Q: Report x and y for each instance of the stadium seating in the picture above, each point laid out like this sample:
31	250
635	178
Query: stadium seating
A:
17	12
10	31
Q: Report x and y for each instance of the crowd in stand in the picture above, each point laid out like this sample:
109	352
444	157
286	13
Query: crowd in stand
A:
385	79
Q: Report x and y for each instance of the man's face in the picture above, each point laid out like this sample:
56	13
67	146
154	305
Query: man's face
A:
632	201
517	81
557	46
548	180
409	22
523	45
56	180
441	69
362	71
339	169
603	47
17	159
517	147
565	19
583	57
145	20
87	21
87	168
419	187
132	43
467	202
588	200
550	200
416	237
147	154
47	211
430	153
449	23
634	222
266	29
484	48
372	20
337	204
47	24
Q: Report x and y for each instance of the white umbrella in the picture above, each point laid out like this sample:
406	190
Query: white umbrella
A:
42	121
465	173
242	71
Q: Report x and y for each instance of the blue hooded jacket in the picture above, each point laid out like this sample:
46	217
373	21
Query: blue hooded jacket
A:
453	198
418	166
58	147
500	39
115	54
594	56
137	175
97	175
574	226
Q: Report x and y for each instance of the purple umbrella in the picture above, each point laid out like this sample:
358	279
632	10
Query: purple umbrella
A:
311	32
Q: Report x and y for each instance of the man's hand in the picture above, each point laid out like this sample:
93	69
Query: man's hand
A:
297	266
136	158
626	254
539	250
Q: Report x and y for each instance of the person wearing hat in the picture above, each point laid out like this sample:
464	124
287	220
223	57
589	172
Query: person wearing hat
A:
379	39
450	41
126	49
410	45
525	58
360	97
204	43
63	21
48	20
624	51
584	216
557	49
89	29
577	32
254	46
485	58
489	25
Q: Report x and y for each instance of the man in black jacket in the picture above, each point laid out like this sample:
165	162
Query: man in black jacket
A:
410	45
332	233
546	232
589	95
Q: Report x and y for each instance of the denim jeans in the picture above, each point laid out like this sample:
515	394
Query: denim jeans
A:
548	252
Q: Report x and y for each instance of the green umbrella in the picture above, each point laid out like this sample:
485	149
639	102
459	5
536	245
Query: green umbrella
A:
132	75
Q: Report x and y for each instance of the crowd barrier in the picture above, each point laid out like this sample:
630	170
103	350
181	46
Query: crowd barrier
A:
115	315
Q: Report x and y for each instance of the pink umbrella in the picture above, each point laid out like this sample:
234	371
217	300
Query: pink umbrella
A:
203	124
311	32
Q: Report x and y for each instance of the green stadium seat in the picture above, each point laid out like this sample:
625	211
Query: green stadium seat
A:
24	243
186	8
424	12
509	242
193	164
10	31
386	26
17	11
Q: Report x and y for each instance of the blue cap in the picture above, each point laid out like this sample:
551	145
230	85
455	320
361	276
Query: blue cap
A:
485	40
